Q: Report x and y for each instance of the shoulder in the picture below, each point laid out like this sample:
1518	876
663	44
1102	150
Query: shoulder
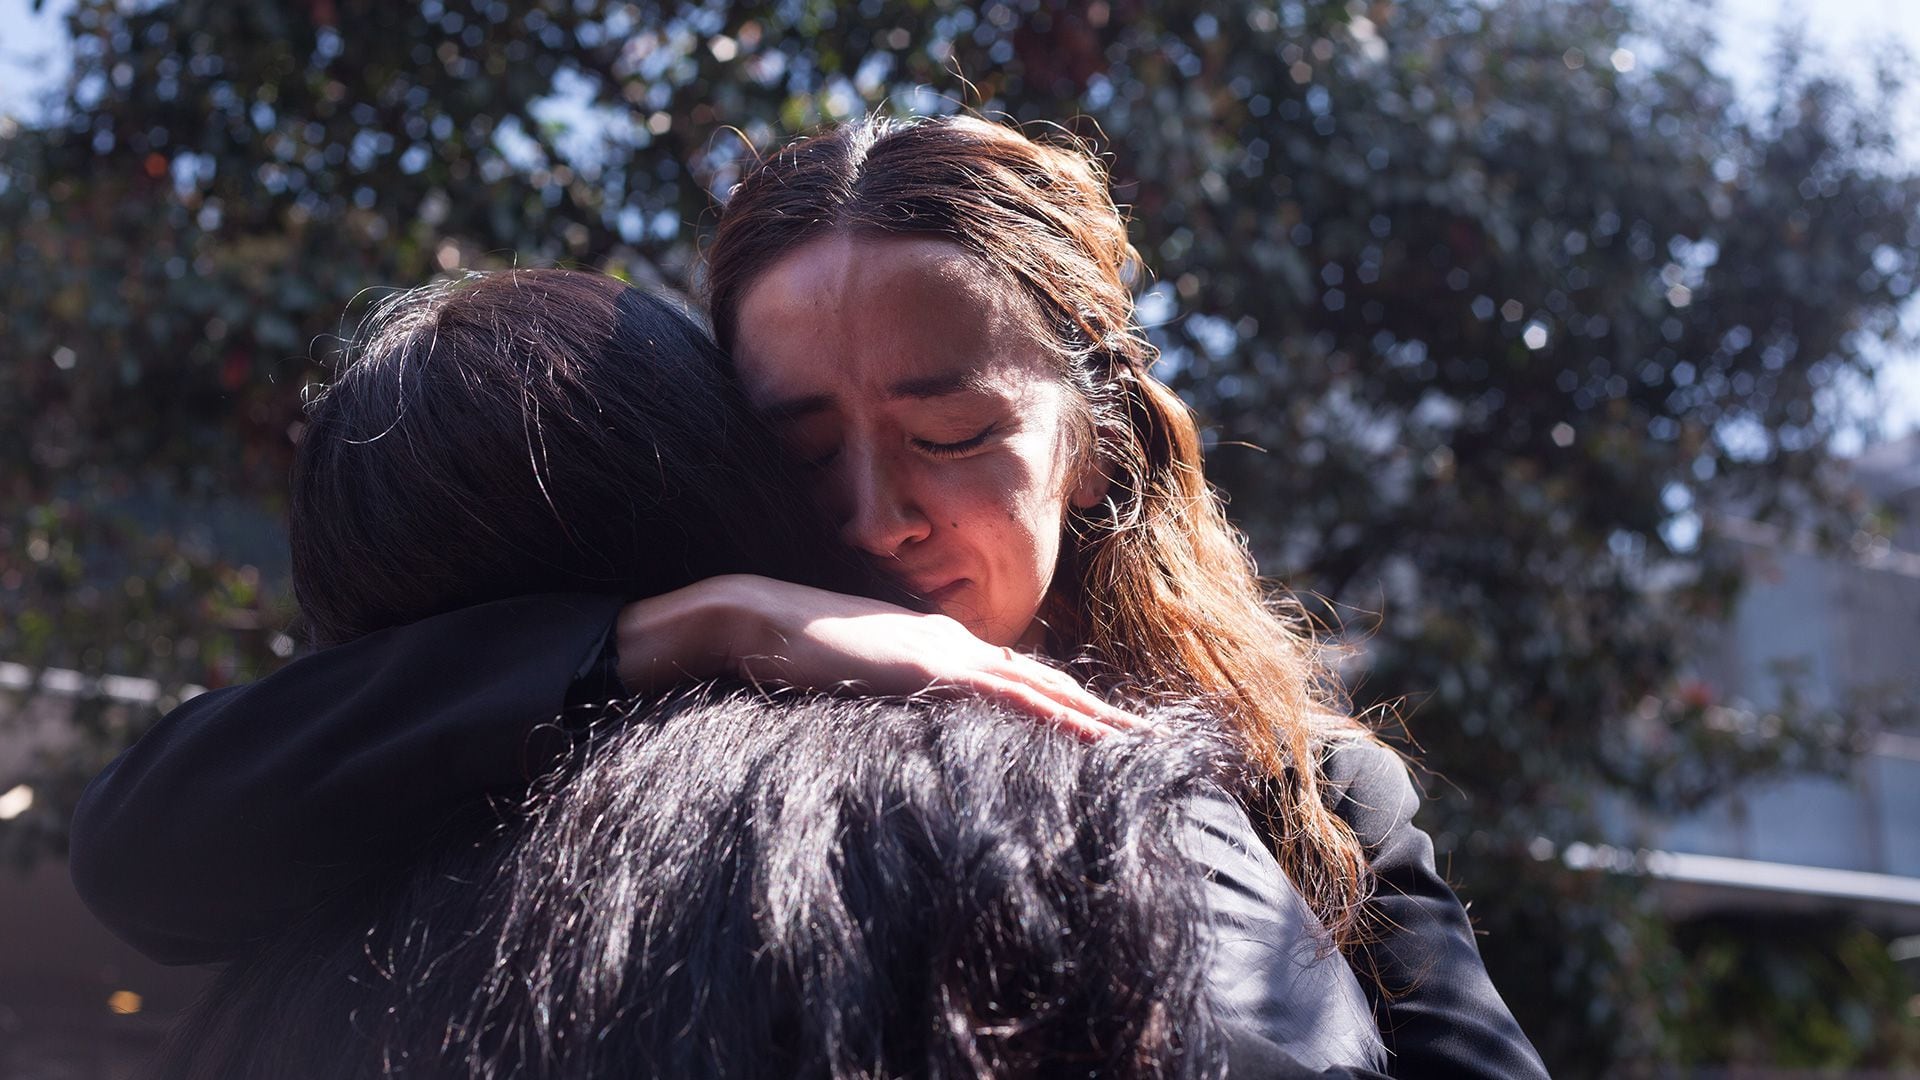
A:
1441	1012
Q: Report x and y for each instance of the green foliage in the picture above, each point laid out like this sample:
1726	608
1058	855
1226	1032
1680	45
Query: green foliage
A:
1804	1003
1509	311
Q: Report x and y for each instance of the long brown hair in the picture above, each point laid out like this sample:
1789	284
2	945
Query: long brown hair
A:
1156	588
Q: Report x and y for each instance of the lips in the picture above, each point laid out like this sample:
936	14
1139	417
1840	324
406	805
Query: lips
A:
937	590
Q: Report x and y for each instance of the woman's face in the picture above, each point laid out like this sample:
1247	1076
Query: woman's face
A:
914	381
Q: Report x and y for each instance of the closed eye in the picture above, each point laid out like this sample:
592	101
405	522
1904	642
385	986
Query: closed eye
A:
956	449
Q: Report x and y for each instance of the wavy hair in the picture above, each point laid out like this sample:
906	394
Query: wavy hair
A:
1156	591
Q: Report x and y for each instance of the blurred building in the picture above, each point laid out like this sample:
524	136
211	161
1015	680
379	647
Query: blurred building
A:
75	1003
1840	633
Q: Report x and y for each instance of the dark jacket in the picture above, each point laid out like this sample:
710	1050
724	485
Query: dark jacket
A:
244	807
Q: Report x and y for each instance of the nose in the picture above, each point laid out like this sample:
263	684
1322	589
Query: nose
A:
879	511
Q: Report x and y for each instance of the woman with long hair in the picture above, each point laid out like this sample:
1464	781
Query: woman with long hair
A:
935	316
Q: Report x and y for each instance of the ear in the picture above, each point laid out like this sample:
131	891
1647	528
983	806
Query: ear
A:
1093	485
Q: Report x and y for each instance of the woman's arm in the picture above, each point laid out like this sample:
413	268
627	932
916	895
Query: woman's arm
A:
763	630
245	807
1441	1016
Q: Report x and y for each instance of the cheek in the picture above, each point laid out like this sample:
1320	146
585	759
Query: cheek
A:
986	501
1010	508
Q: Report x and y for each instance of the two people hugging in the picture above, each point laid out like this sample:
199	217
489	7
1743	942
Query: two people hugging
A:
875	688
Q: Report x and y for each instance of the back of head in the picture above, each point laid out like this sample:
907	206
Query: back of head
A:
723	889
533	431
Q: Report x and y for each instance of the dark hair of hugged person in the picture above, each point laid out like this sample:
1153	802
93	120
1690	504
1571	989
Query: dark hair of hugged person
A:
530	431
721	888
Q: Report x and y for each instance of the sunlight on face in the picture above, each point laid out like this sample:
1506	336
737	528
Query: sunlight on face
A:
912	378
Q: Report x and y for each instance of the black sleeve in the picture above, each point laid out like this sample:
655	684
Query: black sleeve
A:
1252	1054
245	807
1273	972
1440	1014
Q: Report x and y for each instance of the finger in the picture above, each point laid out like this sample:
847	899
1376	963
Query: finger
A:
1029	699
1067	690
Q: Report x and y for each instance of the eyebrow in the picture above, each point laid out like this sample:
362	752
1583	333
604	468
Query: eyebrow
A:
958	381
919	388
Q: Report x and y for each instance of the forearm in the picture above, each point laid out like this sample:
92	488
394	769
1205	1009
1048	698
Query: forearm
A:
244	807
1440	1013
690	634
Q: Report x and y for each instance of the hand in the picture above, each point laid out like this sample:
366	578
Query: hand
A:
773	631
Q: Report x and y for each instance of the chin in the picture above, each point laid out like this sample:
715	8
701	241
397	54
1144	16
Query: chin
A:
1027	633
961	610
967	610
983	629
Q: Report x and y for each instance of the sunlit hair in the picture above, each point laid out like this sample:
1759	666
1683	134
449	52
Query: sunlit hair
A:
720	889
1156	589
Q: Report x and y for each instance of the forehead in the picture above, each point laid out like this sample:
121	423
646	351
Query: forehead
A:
845	315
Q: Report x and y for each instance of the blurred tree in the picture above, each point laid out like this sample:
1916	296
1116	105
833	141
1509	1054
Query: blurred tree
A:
1512	297
1803	1003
